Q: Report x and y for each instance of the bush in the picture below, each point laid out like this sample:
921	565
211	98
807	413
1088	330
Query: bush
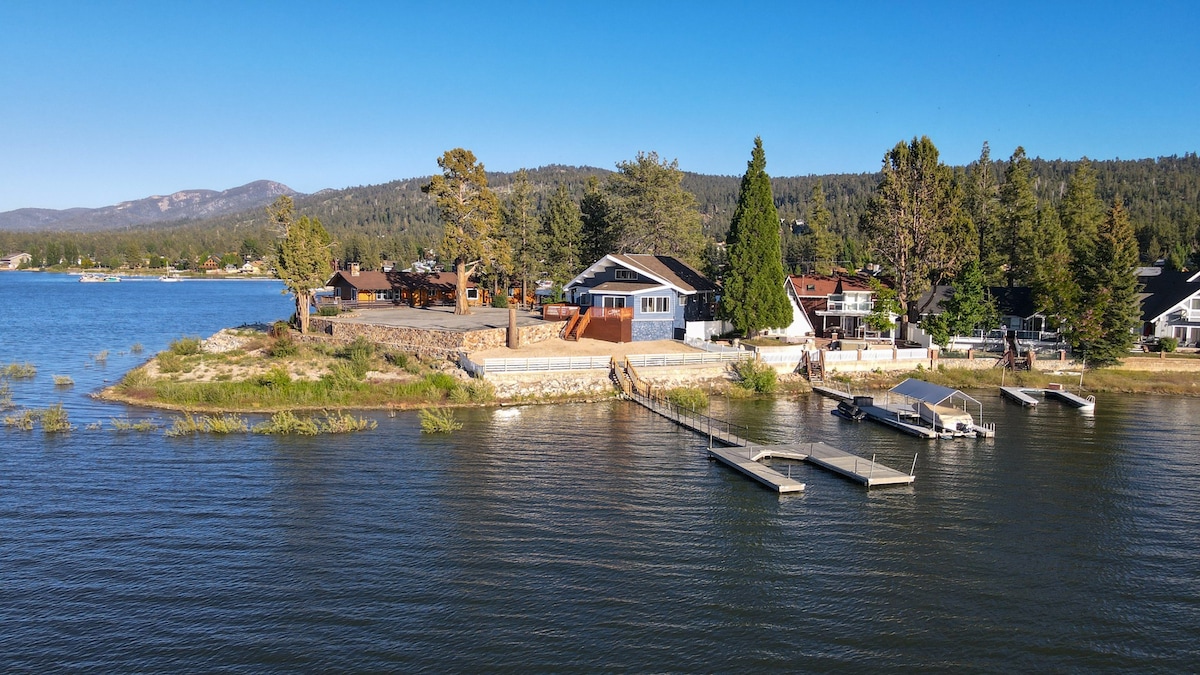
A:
279	329
328	310
185	346
688	398
286	422
359	354
63	381
438	421
169	362
398	359
283	347
20	371
1168	344
54	420
500	301
754	376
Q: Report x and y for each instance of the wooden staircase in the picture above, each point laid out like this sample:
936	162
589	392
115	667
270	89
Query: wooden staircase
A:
576	325
814	368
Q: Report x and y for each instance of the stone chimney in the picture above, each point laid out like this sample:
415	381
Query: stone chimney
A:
354	269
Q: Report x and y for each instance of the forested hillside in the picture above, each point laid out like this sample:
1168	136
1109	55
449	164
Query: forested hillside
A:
395	220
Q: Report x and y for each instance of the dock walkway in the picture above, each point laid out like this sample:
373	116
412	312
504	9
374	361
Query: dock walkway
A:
745	456
1022	395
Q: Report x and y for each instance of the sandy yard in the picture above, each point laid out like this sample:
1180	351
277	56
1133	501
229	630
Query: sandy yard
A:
584	347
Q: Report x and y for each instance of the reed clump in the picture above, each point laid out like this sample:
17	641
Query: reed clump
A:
438	421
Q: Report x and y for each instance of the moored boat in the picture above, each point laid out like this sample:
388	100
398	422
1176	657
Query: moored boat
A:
89	278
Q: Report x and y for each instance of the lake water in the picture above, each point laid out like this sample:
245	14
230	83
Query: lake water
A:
570	538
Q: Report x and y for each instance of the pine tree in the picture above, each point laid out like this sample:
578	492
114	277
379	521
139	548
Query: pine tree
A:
981	201
596	238
651	212
1018	213
1055	291
521	230
755	297
969	306
470	214
914	222
1081	213
561	229
820	245
1110	293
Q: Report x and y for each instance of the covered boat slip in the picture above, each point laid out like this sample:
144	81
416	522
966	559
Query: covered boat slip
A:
922	409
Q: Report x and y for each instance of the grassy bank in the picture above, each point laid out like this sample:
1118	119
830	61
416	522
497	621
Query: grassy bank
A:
268	374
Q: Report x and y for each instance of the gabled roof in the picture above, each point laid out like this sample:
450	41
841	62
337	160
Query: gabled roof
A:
823	285
1165	290
928	392
382	281
663	269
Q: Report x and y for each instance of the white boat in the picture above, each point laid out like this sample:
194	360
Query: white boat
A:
170	277
90	278
945	418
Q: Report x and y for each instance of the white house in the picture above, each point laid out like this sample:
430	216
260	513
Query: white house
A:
14	261
823	306
1171	305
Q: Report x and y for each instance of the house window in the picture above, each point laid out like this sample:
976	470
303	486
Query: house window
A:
656	305
810	287
1196	304
626	275
614	301
472	293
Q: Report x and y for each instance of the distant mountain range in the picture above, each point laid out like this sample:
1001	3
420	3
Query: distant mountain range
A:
183	205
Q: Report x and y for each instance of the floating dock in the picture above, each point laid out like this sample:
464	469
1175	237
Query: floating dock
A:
1022	395
746	457
905	417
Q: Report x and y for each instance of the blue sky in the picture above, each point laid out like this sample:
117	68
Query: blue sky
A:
105	102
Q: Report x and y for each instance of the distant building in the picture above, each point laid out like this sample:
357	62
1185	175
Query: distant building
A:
14	261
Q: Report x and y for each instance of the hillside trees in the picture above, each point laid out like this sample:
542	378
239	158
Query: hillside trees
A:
302	255
913	221
981	201
819	244
597	237
754	296
470	214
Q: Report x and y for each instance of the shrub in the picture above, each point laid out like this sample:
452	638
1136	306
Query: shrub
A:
342	423
22	420
754	376
279	329
688	398
54	420
20	371
286	422
276	378
283	347
1168	344
186	425
328	310
185	346
441	381
460	395
481	391
398	359
359	353
5	396
63	381
169	362
224	423
438	421
121	424
500	301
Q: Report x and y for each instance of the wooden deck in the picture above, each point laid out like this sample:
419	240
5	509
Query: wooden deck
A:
745	456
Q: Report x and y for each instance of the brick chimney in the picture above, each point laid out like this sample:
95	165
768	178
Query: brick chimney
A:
354	269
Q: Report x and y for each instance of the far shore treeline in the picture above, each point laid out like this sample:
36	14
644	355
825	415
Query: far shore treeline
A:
396	221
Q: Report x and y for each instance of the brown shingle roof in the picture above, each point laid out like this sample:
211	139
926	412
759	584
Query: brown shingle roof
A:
674	270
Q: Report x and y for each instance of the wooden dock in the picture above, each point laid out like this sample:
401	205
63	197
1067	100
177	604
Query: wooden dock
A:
745	456
1022	395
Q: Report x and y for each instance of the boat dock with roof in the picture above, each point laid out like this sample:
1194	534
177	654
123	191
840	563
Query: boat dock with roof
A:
746	456
921	409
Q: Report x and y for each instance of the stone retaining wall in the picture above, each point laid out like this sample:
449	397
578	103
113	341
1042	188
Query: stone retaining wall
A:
429	343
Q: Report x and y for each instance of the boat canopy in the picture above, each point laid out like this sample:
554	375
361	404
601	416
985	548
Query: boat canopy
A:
933	394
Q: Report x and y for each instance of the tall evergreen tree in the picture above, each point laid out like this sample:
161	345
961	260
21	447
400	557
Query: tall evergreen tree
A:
561	228
596	238
820	245
1055	290
913	221
981	201
754	297
969	306
521	230
1110	293
470	213
651	211
1018	213
1081	213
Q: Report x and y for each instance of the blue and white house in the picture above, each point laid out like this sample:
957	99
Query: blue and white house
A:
669	299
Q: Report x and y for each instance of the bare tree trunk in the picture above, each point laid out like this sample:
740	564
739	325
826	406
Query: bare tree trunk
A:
302	300
460	287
